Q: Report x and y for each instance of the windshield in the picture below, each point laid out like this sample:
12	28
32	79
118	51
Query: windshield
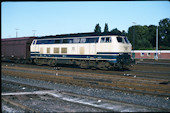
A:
126	40
119	39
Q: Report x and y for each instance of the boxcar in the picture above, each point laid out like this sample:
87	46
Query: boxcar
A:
16	49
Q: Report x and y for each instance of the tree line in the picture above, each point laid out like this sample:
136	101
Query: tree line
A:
144	37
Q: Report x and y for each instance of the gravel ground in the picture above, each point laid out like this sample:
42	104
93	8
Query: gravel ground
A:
47	103
146	100
11	87
8	108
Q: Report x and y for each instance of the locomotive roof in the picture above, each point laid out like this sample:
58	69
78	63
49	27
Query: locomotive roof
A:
77	35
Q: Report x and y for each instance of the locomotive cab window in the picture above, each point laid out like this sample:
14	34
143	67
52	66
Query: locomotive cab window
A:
105	40
120	39
102	40
126	40
108	39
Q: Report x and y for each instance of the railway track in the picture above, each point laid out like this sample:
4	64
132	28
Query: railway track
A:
101	104
144	71
140	80
125	82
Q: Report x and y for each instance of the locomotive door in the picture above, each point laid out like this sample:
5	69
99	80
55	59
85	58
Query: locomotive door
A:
92	48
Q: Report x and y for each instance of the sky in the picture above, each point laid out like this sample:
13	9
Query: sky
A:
23	19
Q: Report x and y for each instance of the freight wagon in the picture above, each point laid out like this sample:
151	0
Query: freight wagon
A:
16	49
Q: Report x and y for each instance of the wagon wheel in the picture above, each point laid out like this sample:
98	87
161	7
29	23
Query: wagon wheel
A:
29	61
16	61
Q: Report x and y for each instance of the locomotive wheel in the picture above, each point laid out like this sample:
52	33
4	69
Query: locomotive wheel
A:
52	63
84	64
102	65
16	61
37	61
119	67
92	65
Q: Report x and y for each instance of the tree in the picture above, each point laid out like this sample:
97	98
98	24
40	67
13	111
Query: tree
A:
144	37
106	29
152	35
116	31
139	34
97	29
124	33
164	31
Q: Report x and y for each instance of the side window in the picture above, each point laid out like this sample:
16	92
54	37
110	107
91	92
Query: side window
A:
76	40
105	40
92	40
65	40
33	42
108	39
96	40
48	50
83	40
70	41
50	42
63	50
57	41
38	41
102	40
45	41
56	50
